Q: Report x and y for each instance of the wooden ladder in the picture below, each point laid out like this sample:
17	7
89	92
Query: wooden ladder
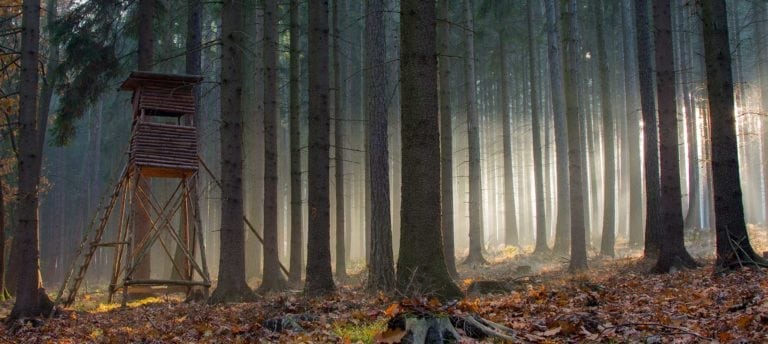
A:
88	246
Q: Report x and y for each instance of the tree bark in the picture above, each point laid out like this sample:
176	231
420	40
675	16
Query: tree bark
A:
421	264
31	299
541	226
295	138
446	137
231	286
319	280
338	133
733	247
692	219
575	177
672	254
145	62
146	48
650	130
555	59
271	278
608	239
381	274
633	126
759	34
476	237
193	66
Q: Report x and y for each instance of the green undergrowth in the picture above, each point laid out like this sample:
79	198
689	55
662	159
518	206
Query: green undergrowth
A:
360	332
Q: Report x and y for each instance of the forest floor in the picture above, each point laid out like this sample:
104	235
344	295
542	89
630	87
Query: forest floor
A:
617	300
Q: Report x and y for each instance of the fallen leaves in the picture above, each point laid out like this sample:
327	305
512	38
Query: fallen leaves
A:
616	301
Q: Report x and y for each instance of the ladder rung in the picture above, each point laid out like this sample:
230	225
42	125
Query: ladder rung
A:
114	243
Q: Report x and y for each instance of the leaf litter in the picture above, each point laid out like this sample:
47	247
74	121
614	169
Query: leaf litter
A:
615	301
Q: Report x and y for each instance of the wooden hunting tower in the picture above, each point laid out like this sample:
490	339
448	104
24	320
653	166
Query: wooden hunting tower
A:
163	145
163	149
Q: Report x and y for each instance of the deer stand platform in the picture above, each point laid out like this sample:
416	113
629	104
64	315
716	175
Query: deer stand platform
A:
160	150
163	145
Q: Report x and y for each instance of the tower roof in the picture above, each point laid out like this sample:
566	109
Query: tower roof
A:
139	79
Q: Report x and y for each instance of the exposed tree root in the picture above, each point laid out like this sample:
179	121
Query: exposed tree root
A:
473	260
275	284
678	261
231	294
430	328
741	255
42	307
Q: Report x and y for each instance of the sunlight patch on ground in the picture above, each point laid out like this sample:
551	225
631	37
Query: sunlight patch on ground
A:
106	307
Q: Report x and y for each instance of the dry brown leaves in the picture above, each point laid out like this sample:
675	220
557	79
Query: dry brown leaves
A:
616	301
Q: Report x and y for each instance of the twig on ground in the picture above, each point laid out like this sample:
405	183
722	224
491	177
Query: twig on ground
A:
669	327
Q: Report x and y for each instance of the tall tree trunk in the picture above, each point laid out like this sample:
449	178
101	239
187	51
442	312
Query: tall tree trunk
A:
692	219
541	225
295	137
476	236
319	280
510	215
733	247
633	126
446	136
672	254
193	66
609	180
555	58
272	277
575	177
145	62
146	49
650	130
759	34
420	264
381	275
338	130
31	299
231	285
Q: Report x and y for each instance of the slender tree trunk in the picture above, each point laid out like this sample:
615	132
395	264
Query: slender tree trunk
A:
575	177
446	136
672	253
633	126
31	299
319	280
541	225
609	180
510	215
338	130
476	236
381	275
272	277
650	130
146	53
295	137
554	57
759	34
193	66
692	218
421	264
231	286
146	49
733	247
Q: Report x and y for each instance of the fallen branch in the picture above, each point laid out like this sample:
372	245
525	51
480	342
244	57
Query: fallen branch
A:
493	331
